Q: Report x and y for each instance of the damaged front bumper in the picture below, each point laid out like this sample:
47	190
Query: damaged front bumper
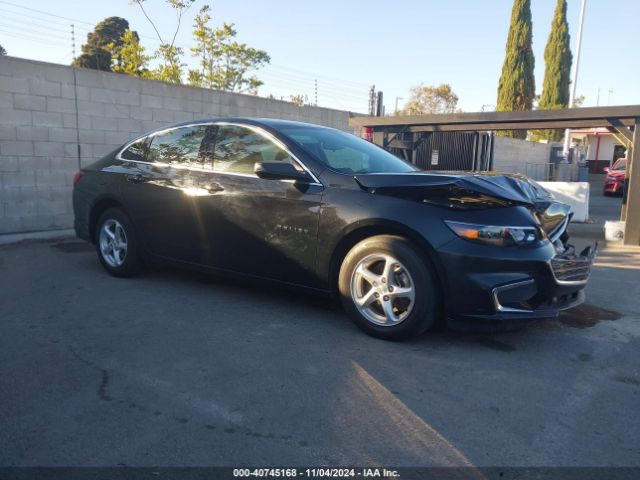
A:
536	285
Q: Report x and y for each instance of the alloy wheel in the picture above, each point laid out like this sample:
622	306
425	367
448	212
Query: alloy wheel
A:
113	243
382	289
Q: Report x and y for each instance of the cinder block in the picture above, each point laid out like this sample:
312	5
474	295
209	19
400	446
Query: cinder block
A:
115	138
18	179
128	98
13	84
71	150
117	111
8	132
91	136
52	207
9	164
48	119
68	91
129	125
151	101
173	103
6	100
64	220
32	133
161	115
48	149
65	164
37	222
38	86
102	95
141	113
62	105
90	108
194	106
62	134
89	78
10	224
9	116
69	120
59	74
105	123
16	148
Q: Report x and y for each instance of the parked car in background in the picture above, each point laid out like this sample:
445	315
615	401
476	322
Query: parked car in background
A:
614	181
317	208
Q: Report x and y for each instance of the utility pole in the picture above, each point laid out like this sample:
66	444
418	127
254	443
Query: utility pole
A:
73	42
316	91
574	79
396	110
372	100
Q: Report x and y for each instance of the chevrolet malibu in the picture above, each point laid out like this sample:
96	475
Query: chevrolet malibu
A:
316	208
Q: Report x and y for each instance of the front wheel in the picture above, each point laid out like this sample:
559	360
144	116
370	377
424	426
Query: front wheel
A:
116	244
388	288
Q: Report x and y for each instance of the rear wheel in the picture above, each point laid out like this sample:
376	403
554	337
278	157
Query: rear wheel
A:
388	288
116	244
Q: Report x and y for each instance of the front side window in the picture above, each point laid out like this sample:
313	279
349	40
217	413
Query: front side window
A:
136	151
238	149
345	153
184	146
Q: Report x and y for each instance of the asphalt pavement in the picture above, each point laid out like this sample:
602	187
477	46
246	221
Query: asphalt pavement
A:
165	369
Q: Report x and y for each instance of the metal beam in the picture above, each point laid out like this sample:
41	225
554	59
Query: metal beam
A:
558	124
632	191
623	134
526	119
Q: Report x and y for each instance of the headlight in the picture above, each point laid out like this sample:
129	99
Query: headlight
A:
613	179
496	235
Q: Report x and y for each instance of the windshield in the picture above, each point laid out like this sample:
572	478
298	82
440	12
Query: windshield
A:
345	153
621	164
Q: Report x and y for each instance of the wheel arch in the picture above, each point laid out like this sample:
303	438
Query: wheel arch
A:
360	231
98	208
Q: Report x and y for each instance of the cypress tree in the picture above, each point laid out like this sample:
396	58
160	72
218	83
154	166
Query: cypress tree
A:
517	88
557	58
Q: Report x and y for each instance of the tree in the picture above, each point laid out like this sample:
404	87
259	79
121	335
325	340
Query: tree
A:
129	55
96	53
2	51
171	70
224	62
424	100
557	73
517	88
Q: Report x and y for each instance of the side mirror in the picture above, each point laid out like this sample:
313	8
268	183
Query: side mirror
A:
606	169
279	171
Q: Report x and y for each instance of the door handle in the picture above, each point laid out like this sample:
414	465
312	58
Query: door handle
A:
135	178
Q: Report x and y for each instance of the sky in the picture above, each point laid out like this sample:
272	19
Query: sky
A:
345	46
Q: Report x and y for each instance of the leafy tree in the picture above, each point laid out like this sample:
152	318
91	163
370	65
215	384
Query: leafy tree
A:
96	53
424	100
171	70
129	56
516	88
224	63
298	100
557	57
2	51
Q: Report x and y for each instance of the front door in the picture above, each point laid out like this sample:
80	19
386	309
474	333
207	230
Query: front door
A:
265	228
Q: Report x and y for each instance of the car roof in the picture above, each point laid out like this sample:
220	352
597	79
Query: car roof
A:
274	123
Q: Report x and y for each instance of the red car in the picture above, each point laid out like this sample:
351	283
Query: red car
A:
614	183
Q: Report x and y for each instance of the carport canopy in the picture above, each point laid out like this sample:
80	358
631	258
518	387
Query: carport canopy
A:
620	120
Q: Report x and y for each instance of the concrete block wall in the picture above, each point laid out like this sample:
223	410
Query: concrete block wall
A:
40	129
521	156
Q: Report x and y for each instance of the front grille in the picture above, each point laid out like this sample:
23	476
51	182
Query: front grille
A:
571	270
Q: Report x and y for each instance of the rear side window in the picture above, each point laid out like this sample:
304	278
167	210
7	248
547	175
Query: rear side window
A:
238	149
184	146
136	151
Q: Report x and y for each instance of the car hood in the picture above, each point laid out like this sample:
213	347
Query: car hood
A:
617	173
471	191
514	188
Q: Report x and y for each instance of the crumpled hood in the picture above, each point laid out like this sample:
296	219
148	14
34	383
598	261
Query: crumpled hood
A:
513	188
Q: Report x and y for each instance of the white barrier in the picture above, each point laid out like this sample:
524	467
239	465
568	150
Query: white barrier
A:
574	194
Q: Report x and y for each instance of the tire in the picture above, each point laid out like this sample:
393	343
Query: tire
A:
394	313
117	244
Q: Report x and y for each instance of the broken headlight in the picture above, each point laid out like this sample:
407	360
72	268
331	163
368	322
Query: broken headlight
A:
496	235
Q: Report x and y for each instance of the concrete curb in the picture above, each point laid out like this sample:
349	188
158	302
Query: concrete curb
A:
9	238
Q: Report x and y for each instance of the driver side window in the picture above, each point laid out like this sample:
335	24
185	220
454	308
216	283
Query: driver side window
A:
238	149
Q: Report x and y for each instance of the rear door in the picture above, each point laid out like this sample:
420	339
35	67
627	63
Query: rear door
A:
164	192
266	228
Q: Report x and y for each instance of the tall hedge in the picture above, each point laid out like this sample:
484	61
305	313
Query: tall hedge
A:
517	86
